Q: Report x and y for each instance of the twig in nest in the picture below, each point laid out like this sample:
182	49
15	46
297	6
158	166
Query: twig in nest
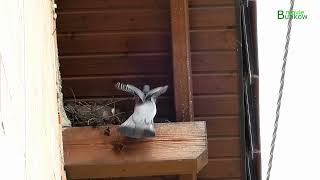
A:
94	113
74	96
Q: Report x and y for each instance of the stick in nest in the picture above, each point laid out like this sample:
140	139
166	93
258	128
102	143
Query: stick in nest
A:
94	113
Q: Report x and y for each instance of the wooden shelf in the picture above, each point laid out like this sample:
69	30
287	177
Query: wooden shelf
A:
177	149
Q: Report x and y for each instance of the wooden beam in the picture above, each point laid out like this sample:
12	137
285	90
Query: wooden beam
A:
178	148
181	60
188	177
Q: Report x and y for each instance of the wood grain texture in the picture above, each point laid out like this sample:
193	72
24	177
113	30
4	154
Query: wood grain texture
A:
182	80
216	105
89	153
223	168
225	83
115	64
219	17
214	61
144	63
223	147
119	20
103	86
188	177
65	5
221	126
172	177
208	40
141	20
114	43
160	178
81	5
219	178
142	42
103	41
211	3
30	130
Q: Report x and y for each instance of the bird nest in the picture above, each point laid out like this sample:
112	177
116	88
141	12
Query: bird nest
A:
94	113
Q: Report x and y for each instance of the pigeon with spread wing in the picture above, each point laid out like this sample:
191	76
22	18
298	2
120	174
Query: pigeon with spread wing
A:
140	123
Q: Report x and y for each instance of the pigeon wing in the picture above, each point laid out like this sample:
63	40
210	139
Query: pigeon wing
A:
130	89
156	92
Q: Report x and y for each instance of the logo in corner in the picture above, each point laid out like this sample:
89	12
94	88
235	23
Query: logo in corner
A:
291	14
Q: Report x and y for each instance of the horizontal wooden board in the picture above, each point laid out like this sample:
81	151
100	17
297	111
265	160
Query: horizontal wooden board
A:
214	61
210	3
103	86
89	152
172	177
142	42
67	5
221	126
161	178
206	40
212	17
222	168
224	147
216	105
144	63
219	178
141	20
117	64
113	43
226	83
121	20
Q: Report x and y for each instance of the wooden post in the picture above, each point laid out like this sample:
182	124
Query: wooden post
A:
181	60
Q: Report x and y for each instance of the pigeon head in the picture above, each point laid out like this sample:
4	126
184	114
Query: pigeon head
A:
146	89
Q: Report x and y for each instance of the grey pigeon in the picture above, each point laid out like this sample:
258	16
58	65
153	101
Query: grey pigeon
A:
140	123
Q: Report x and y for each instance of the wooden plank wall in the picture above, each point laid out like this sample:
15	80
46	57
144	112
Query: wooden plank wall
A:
102	42
215	80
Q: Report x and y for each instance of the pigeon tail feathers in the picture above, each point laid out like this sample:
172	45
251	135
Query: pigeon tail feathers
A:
130	129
